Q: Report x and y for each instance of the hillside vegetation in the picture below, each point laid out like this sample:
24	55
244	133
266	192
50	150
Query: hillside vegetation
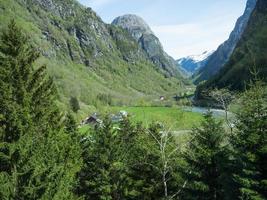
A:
248	58
44	156
221	56
86	57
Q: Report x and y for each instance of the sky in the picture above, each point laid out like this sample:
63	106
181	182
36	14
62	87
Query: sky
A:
184	27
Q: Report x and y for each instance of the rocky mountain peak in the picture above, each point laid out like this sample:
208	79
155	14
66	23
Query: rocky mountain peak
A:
148	41
134	24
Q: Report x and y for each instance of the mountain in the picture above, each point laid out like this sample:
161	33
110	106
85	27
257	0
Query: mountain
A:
193	63
220	57
86	57
147	40
250	55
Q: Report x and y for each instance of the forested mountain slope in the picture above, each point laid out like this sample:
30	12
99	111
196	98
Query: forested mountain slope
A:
85	56
249	56
221	56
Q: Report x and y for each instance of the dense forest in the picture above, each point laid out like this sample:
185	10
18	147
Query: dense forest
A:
44	156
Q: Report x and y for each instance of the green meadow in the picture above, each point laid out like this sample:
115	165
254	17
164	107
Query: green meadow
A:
173	118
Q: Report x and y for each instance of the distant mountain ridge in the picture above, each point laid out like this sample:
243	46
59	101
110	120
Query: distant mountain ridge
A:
147	40
220	57
193	63
250	55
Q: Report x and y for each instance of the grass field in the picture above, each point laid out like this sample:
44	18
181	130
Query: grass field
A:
173	118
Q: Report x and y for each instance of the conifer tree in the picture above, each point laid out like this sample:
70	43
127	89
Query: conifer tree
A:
95	181
74	104
40	160
120	163
70	125
204	156
250	145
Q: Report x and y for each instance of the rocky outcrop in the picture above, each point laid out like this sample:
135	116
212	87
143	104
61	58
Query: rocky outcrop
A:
133	24
72	29
146	39
220	57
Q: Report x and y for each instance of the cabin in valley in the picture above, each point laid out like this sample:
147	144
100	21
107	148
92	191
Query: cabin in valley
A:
92	120
95	119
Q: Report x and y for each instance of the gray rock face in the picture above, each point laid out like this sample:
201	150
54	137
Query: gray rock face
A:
75	30
220	57
133	24
145	37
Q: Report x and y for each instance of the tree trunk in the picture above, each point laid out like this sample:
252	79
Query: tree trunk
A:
165	185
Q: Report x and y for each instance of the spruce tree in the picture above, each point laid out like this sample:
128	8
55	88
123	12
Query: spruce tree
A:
74	104
95	178
250	145
120	162
204	156
40	159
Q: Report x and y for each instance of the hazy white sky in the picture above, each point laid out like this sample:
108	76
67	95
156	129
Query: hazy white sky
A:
185	27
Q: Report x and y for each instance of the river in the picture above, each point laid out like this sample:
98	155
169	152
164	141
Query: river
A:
202	110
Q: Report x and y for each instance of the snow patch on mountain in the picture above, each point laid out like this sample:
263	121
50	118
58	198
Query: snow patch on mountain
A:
194	62
200	57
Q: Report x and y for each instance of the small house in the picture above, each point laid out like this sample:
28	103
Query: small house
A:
92	120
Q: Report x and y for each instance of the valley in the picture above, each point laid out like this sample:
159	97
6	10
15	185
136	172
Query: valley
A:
96	110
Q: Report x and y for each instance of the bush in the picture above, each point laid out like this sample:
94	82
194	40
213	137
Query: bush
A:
74	104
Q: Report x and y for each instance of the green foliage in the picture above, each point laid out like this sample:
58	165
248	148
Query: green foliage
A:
173	117
124	42
38	159
250	53
43	156
70	125
125	162
105	99
74	104
250	144
205	156
86	56
105	171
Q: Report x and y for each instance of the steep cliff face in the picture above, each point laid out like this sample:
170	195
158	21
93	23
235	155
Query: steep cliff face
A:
142	33
71	29
250	55
85	56
218	59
